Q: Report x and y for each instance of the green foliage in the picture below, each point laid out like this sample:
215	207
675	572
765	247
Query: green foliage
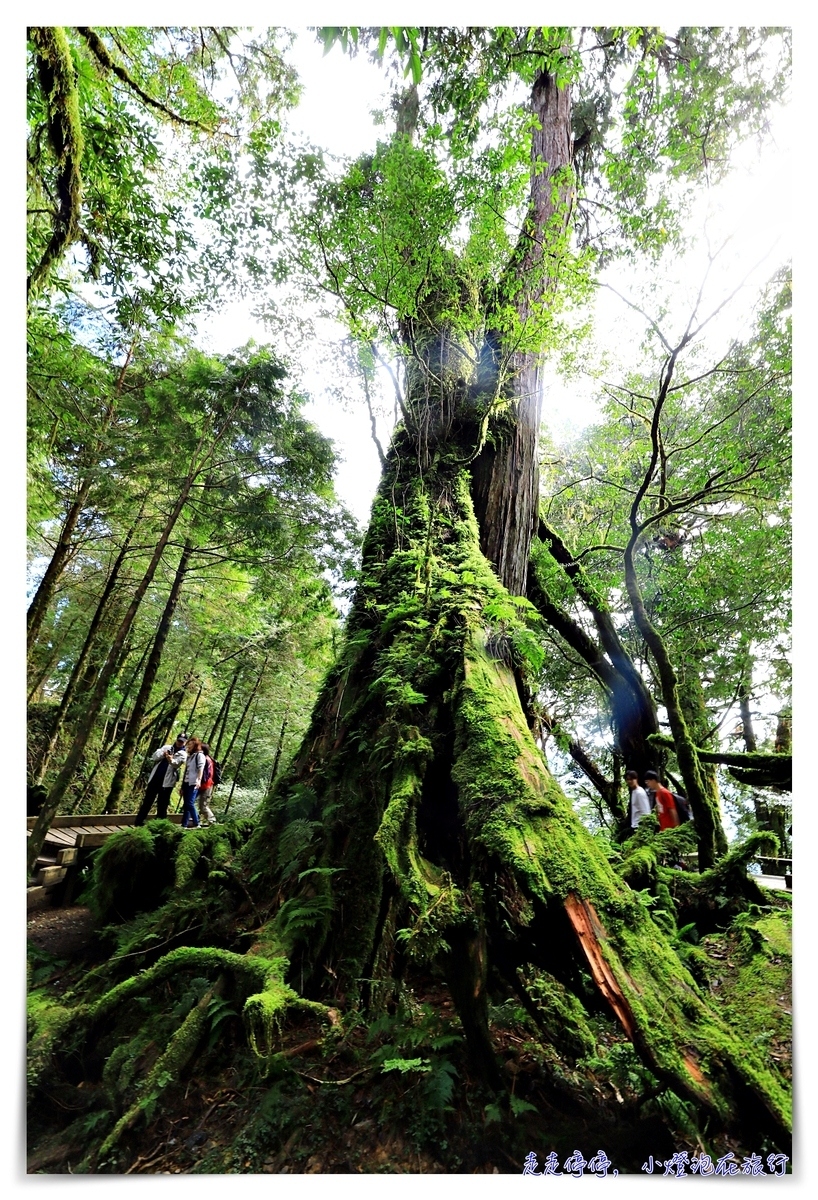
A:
157	157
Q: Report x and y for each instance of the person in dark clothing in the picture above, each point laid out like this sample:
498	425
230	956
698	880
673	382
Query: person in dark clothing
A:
162	779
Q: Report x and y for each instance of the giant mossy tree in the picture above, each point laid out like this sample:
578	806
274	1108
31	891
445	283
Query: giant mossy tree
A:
437	834
418	825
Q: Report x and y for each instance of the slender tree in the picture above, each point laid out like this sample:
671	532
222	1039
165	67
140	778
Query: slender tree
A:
134	725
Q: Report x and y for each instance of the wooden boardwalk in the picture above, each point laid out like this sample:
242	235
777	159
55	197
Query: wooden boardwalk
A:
65	850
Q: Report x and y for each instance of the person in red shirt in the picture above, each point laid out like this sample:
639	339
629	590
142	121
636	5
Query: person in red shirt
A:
665	804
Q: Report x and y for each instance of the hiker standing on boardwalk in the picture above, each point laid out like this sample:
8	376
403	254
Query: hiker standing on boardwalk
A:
163	778
665	804
206	790
192	782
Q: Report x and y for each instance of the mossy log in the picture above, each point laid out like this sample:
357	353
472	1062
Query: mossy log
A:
420	824
753	767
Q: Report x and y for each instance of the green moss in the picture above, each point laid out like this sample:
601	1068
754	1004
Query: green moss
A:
428	687
562	1017
47	1021
134	871
58	80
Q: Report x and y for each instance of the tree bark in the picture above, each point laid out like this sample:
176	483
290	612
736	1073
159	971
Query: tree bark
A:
628	699
41	599
505	476
748	733
224	711
241	719
240	763
712	841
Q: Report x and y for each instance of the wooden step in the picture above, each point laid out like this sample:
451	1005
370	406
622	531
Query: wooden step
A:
67	856
51	876
37	897
88	841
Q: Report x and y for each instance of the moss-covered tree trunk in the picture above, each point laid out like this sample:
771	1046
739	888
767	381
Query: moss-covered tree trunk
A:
430	830
419	824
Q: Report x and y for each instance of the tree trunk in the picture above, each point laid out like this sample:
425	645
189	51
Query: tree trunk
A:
42	597
748	733
133	728
36	682
279	748
631	704
442	837
439	836
243	716
712	841
697	719
505	476
189	722
84	655
223	713
240	763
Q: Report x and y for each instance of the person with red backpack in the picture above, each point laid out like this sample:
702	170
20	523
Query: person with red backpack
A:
663	799
206	789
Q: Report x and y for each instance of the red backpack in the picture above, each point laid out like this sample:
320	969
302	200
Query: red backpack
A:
207	773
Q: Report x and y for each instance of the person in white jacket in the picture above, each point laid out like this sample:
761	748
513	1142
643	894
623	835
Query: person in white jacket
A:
162	780
640	804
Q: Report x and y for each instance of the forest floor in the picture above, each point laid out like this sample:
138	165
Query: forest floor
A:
398	1097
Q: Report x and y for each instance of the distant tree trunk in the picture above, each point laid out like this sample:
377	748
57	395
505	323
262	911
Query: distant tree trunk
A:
192	714
84	654
631	706
134	725
712	841
279	748
53	657
241	719
783	732
38	607
697	719
171	715
224	711
62	551
747	730
237	771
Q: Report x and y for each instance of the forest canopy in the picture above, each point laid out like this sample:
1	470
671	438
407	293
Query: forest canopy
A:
429	903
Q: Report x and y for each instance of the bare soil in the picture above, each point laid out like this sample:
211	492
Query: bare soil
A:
63	932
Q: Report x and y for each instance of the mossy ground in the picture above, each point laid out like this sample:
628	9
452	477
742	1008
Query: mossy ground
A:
393	1095
749	974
